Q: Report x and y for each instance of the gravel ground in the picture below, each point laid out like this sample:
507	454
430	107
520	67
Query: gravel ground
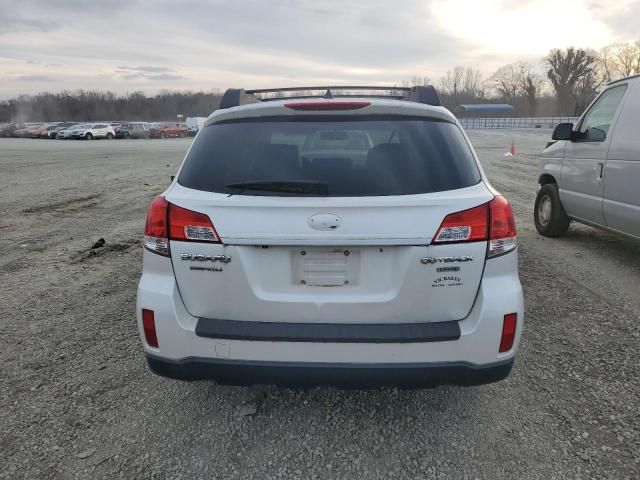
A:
79	402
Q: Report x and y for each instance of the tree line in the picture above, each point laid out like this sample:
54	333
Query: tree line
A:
96	105
563	83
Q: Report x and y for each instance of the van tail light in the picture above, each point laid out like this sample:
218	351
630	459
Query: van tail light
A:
493	221
502	230
509	325
166	221
156	230
149	327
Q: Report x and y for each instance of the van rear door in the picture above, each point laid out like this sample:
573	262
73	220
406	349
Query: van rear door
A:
622	172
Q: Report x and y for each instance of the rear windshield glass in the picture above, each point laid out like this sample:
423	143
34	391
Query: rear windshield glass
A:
349	157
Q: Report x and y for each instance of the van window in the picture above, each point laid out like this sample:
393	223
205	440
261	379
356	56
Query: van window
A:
596	123
367	156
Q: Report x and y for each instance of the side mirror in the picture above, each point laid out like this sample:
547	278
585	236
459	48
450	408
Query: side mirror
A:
562	131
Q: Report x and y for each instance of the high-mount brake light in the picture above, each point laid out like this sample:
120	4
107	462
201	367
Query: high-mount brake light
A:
188	226
156	230
320	106
493	221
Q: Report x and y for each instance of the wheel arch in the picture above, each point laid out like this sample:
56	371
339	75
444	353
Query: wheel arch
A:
546	178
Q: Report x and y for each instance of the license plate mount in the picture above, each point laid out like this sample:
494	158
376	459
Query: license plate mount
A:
326	267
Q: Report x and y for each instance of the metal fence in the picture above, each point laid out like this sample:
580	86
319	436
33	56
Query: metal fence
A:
514	122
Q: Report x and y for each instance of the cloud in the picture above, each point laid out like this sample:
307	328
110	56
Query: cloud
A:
35	78
123	45
18	23
148	73
147	69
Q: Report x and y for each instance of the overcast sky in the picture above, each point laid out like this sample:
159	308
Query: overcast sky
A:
128	45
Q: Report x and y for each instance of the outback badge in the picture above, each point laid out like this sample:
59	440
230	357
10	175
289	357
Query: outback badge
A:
432	260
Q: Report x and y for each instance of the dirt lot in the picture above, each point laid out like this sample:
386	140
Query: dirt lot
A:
79	402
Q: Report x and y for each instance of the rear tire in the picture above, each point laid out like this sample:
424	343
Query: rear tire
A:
109	136
549	215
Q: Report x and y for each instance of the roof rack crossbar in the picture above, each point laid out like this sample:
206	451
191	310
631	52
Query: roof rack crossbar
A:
425	94
327	87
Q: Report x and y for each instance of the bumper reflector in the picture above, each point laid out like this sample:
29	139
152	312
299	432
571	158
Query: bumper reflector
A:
508	332
149	325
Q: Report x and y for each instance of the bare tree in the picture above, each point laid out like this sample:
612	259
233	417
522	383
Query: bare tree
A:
419	81
530	86
628	59
472	87
451	84
607	63
565	69
507	81
461	85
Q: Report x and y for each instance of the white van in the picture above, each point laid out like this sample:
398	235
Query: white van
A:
194	124
590	172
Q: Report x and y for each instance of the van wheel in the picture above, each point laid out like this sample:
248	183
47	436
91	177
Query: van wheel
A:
549	215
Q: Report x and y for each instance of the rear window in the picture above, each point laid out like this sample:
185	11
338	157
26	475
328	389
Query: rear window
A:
371	156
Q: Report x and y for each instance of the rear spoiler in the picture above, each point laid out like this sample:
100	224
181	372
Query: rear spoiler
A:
425	94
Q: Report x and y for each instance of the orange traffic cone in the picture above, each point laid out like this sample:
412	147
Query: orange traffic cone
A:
512	149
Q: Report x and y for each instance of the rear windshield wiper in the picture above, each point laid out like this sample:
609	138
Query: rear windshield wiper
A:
285	186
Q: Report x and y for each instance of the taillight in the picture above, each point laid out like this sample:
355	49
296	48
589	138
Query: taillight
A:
156	230
166	221
149	327
509	325
493	221
466	226
316	106
502	230
185	225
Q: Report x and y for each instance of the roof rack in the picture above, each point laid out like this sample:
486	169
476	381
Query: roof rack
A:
425	94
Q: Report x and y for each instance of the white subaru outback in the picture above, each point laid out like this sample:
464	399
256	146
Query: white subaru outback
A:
332	240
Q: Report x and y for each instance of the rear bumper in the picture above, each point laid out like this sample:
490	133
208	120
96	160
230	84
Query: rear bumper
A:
346	375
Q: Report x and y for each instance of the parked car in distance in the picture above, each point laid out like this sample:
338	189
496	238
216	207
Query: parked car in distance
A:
8	130
194	124
44	131
590	172
62	126
133	130
380	256
66	133
90	131
167	129
26	130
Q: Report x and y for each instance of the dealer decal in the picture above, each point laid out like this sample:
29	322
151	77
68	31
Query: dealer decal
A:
447	281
